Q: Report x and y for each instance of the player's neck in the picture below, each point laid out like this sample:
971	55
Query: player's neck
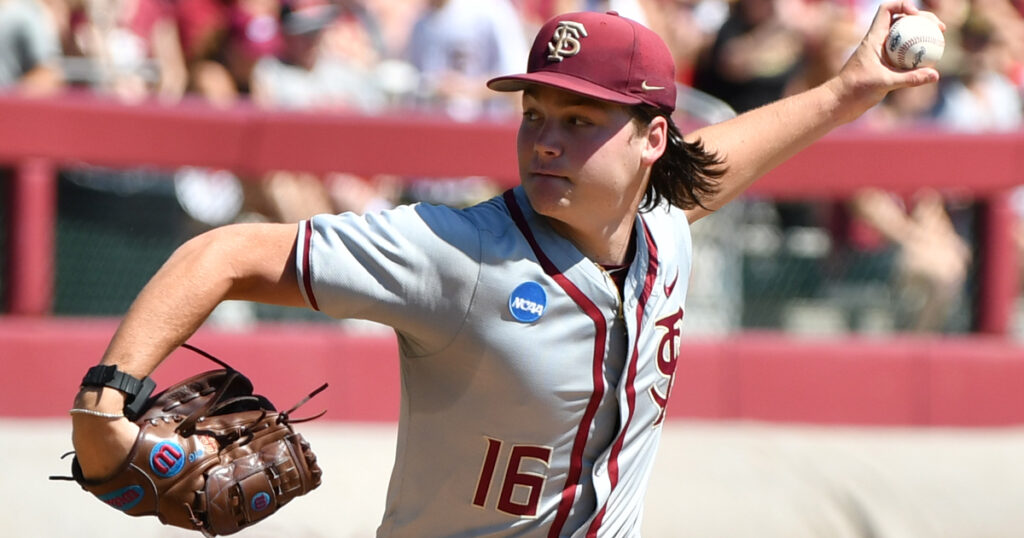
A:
608	246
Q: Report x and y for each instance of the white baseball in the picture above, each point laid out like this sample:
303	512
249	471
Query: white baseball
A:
914	41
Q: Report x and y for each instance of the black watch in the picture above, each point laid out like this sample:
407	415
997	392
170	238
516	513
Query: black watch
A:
137	391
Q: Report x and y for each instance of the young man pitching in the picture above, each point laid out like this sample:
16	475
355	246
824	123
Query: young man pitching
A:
538	331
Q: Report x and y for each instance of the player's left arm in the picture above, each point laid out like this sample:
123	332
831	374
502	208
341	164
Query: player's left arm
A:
757	141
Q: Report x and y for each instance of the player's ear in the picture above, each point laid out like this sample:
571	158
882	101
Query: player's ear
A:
655	138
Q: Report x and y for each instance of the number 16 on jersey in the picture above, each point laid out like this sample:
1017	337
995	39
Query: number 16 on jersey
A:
516	483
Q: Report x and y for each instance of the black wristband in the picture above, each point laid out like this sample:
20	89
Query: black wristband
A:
136	390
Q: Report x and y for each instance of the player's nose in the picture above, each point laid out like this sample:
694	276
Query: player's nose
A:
547	142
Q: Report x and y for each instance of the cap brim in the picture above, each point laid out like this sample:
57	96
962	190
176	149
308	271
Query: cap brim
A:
514	83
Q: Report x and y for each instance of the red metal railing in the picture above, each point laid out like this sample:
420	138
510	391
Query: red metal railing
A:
38	135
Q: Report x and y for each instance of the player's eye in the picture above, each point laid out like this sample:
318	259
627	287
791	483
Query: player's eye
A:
530	115
578	121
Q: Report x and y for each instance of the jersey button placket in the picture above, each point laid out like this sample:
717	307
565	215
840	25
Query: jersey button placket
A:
610	283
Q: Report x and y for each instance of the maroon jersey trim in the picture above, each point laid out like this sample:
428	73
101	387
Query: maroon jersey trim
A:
613	463
307	279
572	481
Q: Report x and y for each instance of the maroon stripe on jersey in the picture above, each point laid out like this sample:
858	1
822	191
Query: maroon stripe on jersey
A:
307	280
487	472
613	463
572	481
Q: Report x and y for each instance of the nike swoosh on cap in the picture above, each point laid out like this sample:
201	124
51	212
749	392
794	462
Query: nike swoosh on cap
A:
646	88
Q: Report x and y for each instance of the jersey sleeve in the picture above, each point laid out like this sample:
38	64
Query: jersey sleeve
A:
414	268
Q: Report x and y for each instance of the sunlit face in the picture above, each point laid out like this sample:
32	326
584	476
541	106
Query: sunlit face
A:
582	162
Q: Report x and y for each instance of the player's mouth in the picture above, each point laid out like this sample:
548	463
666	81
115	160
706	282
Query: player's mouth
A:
544	174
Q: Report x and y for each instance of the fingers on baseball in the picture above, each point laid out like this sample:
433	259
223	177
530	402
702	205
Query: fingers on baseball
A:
921	76
888	11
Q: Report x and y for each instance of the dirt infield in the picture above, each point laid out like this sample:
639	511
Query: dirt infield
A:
728	480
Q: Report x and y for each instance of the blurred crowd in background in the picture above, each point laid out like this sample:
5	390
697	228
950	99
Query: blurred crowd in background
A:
379	56
369	55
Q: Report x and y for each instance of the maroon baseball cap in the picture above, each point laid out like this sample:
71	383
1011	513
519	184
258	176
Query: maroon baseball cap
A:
599	55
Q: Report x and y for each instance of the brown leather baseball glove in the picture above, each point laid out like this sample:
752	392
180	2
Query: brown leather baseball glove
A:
210	456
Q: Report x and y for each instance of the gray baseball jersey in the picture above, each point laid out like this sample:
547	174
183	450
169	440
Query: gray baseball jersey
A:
532	394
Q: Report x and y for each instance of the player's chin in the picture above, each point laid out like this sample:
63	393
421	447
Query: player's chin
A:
547	194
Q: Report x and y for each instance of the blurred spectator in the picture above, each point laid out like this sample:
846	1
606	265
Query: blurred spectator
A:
953	13
831	31
395	19
135	47
753	58
30	45
328	62
980	96
533	13
932	259
456	45
1009	30
255	32
203	28
1006	27
906	108
632	9
688	27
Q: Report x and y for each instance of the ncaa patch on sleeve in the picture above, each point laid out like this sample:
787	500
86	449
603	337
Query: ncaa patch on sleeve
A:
527	302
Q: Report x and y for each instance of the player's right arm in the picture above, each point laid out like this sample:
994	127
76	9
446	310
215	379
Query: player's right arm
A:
254	262
760	139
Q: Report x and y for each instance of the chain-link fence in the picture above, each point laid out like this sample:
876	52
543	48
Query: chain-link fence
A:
115	228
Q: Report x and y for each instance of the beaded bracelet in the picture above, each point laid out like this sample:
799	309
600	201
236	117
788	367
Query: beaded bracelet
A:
100	414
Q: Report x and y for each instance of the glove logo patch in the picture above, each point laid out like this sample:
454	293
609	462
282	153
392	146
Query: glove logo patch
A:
123	499
205	445
260	501
167	459
527	302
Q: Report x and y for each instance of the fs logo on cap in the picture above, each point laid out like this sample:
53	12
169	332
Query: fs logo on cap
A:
566	40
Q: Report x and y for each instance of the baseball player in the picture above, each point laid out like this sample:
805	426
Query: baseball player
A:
539	331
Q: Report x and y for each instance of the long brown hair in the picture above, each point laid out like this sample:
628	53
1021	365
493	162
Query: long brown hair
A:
686	175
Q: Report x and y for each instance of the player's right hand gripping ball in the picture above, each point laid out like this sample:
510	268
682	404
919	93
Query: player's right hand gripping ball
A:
914	41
